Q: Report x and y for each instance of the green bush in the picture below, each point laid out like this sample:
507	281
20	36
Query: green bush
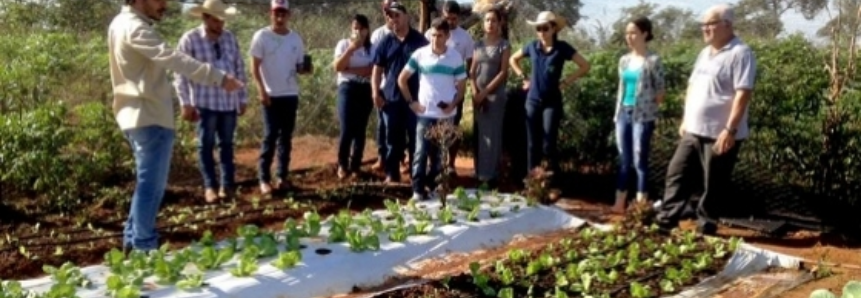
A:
65	156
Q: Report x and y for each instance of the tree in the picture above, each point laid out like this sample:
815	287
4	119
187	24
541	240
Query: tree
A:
844	21
669	24
761	18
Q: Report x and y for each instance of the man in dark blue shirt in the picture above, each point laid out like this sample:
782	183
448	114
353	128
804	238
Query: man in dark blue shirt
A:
390	57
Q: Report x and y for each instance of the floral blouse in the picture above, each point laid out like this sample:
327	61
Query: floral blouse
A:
651	83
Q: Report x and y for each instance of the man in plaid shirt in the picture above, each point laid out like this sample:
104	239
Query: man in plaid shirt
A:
214	109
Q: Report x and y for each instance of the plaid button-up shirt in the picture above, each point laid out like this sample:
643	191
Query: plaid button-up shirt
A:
223	54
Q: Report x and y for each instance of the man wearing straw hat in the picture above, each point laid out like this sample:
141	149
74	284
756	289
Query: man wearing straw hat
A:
143	106
215	110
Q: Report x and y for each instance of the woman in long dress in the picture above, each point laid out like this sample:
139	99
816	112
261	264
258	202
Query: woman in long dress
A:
489	71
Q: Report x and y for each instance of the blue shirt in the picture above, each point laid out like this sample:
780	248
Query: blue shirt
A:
630	76
547	70
393	55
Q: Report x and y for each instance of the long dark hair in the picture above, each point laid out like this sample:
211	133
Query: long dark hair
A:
364	23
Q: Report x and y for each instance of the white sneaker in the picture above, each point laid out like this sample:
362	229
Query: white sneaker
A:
417	197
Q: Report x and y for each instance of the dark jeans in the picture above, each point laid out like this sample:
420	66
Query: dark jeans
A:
354	108
542	132
694	168
400	122
279	120
381	135
426	149
634	142
212	124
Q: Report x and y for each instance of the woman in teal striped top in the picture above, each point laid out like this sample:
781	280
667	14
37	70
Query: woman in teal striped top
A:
641	90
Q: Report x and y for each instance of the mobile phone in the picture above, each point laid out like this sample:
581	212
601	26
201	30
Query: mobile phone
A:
442	105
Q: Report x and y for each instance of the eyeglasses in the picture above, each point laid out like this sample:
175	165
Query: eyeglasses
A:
542	28
217	47
711	24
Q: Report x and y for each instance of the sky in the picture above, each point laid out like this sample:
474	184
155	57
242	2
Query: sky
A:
607	11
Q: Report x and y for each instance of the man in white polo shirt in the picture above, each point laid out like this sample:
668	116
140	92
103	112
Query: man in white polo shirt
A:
442	75
714	125
462	42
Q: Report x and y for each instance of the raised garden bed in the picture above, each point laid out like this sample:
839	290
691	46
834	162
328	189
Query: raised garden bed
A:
623	263
311	257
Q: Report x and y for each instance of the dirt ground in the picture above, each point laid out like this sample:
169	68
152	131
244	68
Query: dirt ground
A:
807	245
316	151
319	152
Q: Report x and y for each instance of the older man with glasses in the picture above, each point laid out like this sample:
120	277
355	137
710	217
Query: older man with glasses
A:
714	125
214	109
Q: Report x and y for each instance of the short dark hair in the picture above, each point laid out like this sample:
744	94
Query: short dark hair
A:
645	26
440	24
451	7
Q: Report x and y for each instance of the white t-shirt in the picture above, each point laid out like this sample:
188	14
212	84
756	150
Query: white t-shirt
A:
279	55
376	37
460	40
438	78
360	58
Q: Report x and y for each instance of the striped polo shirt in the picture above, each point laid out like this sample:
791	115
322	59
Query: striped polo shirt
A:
438	78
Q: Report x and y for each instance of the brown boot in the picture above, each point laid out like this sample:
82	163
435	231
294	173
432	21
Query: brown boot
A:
621	202
210	195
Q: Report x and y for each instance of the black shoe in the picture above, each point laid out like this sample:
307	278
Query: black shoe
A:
665	228
706	228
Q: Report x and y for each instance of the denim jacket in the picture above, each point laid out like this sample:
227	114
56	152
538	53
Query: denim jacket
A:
651	83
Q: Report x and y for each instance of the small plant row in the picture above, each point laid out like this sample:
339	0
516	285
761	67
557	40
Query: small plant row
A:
636	263
360	232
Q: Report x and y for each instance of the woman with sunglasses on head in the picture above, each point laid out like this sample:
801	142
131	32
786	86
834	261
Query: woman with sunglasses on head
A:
544	86
641	91
489	72
353	59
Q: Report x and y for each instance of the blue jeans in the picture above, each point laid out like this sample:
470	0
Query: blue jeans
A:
542	132
279	120
400	122
425	148
152	147
223	125
381	135
634	142
354	108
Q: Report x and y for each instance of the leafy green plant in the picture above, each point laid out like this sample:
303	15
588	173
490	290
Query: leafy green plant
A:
287	259
852	289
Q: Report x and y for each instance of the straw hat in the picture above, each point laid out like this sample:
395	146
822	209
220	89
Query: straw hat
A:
215	8
546	17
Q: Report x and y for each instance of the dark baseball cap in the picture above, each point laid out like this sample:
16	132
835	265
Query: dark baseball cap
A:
395	6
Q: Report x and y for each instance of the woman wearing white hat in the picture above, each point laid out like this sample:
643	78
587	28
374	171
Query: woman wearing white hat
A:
547	55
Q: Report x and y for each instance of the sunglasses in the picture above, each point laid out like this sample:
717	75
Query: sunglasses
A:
542	28
217	47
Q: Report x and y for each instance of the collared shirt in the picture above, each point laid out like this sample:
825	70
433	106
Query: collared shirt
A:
438	78
360	58
547	70
393	54
650	82
224	54
280	54
139	60
460	40
376	37
713	84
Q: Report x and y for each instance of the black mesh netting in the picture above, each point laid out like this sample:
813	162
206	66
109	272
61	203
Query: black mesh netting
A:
589	155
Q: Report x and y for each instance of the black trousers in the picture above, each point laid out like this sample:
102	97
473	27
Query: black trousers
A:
696	168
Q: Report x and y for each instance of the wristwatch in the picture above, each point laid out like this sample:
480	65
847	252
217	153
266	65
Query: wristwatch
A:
731	131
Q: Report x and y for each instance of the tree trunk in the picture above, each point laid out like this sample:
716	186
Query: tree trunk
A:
424	17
